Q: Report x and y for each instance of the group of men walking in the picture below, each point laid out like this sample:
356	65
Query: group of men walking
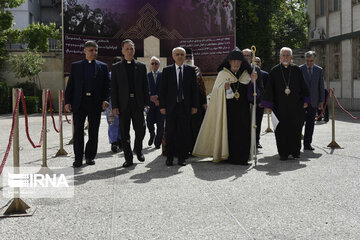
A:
176	98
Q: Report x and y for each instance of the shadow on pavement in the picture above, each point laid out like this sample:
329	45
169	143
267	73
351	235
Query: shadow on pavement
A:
103	174
157	169
274	167
210	171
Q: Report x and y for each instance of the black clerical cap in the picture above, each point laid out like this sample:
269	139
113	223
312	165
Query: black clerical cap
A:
236	54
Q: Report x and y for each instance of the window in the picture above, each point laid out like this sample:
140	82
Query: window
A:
356	58
321	56
355	2
334	5
321	7
335	62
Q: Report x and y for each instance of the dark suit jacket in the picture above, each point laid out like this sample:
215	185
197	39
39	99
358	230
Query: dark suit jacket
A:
265	77
120	86
316	85
154	87
169	91
74	89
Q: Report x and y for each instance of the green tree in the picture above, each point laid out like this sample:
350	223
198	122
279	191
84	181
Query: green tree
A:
36	35
27	66
290	25
6	21
270	25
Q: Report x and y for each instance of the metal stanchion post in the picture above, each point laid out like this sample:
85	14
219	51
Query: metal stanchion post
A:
44	168
333	143
268	130
61	151
17	207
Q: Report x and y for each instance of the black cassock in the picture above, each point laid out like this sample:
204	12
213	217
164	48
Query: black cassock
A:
288	108
238	120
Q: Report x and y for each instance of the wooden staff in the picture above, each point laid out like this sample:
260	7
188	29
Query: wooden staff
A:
253	151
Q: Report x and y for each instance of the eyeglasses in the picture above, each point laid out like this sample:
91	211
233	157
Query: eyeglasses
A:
179	54
154	63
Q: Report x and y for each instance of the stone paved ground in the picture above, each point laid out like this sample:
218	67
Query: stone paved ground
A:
315	197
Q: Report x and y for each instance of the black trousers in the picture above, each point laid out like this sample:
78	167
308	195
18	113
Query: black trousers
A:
136	115
93	114
259	118
177	132
309	117
155	117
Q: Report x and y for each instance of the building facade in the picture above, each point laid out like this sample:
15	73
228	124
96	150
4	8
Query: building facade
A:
335	36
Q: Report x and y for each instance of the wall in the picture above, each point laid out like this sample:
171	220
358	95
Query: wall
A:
50	77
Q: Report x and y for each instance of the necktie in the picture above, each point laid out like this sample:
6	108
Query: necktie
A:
310	75
180	86
155	77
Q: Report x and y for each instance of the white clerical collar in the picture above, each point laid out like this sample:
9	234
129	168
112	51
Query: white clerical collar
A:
90	61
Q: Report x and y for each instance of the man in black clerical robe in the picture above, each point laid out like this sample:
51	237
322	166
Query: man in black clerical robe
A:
286	94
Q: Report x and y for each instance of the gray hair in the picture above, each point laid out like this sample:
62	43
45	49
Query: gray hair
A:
91	43
286	49
179	48
154	58
310	54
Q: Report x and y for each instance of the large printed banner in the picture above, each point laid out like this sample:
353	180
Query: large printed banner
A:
207	27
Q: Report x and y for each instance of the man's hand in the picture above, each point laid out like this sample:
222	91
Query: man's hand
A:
157	103
105	105
153	98
68	107
116	112
268	110
193	111
254	76
227	85
305	105
163	111
147	108
321	106
204	106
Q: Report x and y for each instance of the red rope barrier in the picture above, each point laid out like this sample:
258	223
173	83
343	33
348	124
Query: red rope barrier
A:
27	121
342	108
52	114
324	107
63	100
19	91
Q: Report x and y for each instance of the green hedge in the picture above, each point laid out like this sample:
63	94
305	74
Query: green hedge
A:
4	98
32	104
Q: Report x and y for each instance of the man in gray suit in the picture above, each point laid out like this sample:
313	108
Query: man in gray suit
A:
314	78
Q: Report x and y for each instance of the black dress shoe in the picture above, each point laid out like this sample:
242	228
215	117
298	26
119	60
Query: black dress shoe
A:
182	162
283	158
258	145
244	163
114	148
128	163
77	164
90	162
140	157
151	140
309	147
157	146
169	161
